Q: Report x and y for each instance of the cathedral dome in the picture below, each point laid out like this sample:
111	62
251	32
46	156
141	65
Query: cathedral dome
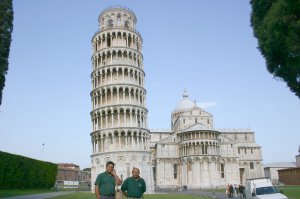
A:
185	103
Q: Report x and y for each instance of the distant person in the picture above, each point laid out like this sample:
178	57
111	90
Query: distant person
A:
235	190
106	182
230	191
227	191
134	187
241	191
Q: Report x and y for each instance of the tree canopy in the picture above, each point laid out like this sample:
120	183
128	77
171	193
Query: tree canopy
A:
6	28
276	25
87	169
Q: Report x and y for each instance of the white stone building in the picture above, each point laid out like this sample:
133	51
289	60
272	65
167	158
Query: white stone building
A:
119	113
195	154
191	153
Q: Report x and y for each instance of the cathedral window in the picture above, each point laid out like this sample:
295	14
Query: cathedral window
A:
183	121
196	120
175	170
222	171
251	165
207	121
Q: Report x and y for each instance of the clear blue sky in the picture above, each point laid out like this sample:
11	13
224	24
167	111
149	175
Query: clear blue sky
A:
206	47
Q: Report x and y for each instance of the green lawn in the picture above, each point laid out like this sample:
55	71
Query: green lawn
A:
20	192
214	190
89	195
83	195
292	192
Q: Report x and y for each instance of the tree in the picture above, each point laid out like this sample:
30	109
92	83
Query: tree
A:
6	28
87	169
276	25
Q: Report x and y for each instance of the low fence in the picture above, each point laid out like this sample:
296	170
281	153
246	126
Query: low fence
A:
73	185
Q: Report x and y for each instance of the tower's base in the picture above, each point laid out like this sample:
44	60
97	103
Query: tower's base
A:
124	162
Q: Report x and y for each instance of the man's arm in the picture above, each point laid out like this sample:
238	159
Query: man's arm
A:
97	191
124	186
144	186
117	179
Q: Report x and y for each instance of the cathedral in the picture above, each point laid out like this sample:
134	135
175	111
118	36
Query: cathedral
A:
192	153
195	154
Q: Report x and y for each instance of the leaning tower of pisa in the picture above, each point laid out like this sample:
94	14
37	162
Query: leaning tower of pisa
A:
119	114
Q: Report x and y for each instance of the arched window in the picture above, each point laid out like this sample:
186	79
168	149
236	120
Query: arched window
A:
251	165
118	17
110	23
126	24
175	168
222	170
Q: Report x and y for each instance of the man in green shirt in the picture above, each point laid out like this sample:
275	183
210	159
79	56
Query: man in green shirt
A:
134	187
106	182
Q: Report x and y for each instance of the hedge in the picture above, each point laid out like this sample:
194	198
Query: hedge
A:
19	172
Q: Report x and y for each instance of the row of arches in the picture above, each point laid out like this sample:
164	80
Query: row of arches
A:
213	135
119	117
208	158
199	148
118	74
117	56
116	95
111	38
127	139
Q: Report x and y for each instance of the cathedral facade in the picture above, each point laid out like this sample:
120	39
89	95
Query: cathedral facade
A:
195	154
191	153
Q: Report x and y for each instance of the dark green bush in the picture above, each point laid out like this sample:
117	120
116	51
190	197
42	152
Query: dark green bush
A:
19	172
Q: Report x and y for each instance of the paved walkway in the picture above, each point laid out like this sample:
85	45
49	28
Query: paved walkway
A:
41	196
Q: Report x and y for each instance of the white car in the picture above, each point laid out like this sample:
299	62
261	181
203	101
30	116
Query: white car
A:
262	188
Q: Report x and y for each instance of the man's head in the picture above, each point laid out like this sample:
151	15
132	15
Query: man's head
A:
135	172
110	166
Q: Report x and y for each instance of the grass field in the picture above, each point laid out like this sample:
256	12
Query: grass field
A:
293	192
88	195
20	192
81	195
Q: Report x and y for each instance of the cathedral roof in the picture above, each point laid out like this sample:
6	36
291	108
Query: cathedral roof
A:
281	164
198	127
185	104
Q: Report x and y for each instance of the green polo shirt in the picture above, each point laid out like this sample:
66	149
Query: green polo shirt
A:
106	183
134	187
